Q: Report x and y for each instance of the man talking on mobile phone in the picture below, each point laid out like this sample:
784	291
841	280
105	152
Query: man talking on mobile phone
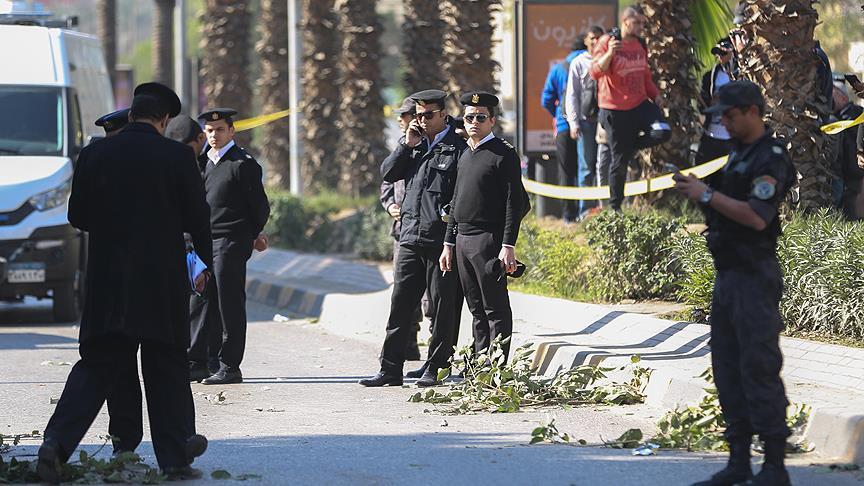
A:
426	160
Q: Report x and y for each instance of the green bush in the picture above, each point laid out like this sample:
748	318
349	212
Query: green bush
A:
631	255
695	269
557	263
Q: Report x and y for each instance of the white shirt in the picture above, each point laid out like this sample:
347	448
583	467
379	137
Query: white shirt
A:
216	155
485	139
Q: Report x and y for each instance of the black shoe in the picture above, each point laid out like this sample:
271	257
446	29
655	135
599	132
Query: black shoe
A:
418	372
198	372
49	467
429	378
770	475
729	476
181	473
195	446
224	377
382	379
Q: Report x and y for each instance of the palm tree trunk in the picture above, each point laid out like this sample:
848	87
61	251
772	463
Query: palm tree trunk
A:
106	18
362	148
225	46
468	44
273	90
163	43
423	30
321	47
780	58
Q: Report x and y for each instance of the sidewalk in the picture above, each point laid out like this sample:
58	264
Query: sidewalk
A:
352	299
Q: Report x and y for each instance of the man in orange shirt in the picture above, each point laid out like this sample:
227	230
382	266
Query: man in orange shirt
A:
626	95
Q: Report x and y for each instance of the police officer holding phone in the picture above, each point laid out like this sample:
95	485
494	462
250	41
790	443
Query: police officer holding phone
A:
741	207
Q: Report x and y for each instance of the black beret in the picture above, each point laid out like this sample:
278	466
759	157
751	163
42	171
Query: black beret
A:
479	98
408	106
165	94
114	121
429	96
182	129
216	114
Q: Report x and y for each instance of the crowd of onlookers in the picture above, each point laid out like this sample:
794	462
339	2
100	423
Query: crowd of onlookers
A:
605	108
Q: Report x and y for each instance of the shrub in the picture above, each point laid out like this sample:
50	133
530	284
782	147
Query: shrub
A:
695	269
557	260
631	254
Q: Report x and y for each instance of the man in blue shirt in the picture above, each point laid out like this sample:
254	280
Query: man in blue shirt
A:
553	102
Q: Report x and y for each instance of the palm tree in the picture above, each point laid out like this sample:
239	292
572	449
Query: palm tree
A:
225	50
320	168
106	18
163	42
468	44
273	89
423	29
361	121
780	58
673	63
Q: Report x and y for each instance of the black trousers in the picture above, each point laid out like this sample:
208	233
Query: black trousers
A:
568	169
229	272
125	417
711	148
745	350
205	325
627	132
100	371
486	295
416	271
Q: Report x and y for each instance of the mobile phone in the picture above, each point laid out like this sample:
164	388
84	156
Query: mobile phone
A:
615	33
853	80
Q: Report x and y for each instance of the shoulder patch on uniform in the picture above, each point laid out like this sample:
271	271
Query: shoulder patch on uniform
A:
248	156
764	187
777	150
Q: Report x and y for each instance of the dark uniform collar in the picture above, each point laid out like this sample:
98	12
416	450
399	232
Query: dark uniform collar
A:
141	127
743	151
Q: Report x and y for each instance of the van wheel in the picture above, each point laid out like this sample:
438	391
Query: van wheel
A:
67	302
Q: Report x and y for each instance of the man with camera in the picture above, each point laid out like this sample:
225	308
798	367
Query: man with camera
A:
427	161
626	95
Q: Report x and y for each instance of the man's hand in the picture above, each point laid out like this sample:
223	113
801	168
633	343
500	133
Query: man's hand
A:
413	135
395	211
446	259
507	255
689	185
861	160
614	45
201	281
574	132
261	243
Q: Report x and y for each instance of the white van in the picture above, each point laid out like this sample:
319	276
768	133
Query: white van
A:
53	86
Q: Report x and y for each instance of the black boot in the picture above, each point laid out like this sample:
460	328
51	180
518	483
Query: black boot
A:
418	372
382	379
737	470
773	471
49	467
224	376
412	351
429	378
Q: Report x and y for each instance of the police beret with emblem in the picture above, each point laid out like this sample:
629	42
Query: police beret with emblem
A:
114	121
479	98
163	93
216	114
429	96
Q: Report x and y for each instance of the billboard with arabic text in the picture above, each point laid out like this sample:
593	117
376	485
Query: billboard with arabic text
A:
546	31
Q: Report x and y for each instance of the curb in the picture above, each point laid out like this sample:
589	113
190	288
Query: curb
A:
836	430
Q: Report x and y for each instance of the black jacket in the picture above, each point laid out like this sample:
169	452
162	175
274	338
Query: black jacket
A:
238	204
136	193
429	182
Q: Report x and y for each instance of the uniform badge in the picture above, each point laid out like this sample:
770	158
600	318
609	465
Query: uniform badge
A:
475	98
777	150
764	187
214	116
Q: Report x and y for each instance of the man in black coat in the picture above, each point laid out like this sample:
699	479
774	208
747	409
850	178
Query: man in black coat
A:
238	212
135	194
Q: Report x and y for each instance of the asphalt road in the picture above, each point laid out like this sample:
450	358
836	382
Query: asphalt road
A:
300	418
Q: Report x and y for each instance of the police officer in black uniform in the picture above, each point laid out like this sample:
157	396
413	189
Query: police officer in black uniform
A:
427	161
741	206
113	122
238	212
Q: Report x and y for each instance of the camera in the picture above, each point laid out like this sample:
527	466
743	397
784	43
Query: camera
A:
615	33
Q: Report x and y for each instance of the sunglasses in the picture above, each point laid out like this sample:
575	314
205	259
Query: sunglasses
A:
479	118
427	115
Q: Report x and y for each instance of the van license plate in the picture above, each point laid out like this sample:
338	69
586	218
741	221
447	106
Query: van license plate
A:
26	273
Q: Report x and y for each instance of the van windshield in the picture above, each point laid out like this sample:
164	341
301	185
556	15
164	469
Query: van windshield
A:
31	121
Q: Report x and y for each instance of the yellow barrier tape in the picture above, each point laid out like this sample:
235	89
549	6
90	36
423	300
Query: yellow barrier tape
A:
839	126
630	189
250	123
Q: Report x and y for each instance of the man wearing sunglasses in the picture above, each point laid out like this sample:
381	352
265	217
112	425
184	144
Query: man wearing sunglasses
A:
426	161
488	206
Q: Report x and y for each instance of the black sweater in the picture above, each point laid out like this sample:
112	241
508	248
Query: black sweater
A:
488	195
238	204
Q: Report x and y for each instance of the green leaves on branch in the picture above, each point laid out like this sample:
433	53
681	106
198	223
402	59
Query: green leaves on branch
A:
548	432
490	384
